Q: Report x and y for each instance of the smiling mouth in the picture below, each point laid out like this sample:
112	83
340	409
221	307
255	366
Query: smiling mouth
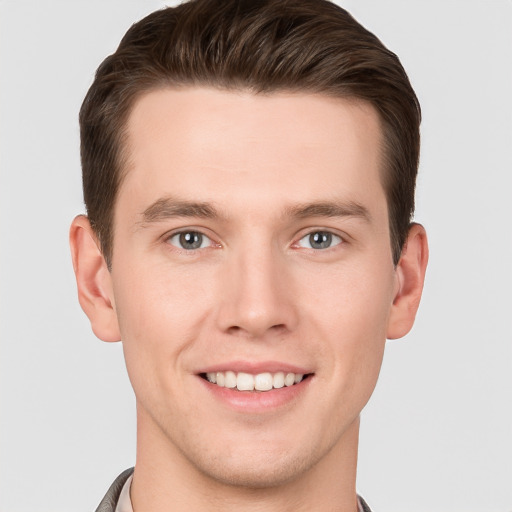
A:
242	381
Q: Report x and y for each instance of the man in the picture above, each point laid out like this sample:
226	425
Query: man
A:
249	171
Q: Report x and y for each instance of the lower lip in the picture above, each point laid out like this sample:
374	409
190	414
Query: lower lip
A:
258	401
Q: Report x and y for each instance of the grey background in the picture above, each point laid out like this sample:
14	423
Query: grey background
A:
436	435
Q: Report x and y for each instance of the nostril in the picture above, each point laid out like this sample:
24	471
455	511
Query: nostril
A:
277	329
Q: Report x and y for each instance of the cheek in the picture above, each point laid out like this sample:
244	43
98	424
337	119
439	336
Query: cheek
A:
161	314
352	300
352	316
158	299
147	324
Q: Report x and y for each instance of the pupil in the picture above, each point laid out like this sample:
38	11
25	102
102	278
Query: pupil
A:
320	240
191	240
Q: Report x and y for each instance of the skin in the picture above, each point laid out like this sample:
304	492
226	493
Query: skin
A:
256	291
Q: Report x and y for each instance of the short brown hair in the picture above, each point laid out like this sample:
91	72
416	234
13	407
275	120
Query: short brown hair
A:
263	46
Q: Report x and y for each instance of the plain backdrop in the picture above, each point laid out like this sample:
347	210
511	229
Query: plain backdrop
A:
436	435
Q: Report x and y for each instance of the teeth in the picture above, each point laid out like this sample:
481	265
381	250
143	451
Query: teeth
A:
260	382
289	380
244	382
278	380
263	382
230	380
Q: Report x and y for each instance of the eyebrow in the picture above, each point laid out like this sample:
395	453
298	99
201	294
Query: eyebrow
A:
329	209
168	207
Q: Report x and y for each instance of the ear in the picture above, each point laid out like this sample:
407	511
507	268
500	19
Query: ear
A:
410	275
93	279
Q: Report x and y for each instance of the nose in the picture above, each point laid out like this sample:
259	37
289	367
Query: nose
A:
257	295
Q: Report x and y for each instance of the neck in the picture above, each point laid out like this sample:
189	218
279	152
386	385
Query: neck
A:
166	480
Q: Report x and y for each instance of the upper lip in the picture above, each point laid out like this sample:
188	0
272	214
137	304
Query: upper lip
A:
255	367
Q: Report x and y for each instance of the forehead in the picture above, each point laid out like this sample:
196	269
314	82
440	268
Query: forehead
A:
227	146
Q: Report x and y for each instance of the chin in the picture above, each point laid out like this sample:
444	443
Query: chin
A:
259	471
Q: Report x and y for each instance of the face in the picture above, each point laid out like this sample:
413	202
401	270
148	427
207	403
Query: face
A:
251	250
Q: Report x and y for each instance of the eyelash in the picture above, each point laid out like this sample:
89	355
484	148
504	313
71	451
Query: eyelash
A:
199	238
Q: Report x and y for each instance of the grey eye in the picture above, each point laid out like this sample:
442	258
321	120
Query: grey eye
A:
320	240
190	240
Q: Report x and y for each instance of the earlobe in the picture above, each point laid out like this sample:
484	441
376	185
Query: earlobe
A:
93	279
410	274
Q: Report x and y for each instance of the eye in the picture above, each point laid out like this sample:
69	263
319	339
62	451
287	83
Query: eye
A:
320	240
190	240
